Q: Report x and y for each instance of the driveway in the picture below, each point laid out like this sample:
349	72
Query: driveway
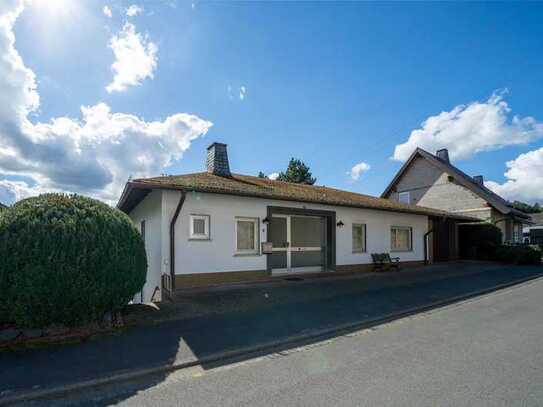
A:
482	352
241	318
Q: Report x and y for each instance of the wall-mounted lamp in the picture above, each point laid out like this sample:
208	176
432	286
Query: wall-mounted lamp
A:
265	221
340	224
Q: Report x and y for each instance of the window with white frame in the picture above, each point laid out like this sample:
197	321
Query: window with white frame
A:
401	239
247	235
404	197
359	238
199	227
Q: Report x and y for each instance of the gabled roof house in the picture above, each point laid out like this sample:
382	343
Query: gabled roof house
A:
534	232
217	227
433	181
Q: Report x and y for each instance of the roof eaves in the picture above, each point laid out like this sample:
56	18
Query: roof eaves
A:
417	210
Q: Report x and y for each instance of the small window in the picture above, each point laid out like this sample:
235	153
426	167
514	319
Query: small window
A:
247	235
359	238
516	232
199	227
401	239
404	197
142	230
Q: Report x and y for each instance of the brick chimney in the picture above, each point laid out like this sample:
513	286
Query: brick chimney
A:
443	155
479	180
217	160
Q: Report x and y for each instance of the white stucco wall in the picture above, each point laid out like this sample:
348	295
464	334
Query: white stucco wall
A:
217	254
150	210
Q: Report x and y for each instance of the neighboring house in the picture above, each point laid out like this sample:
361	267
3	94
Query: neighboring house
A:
432	181
216	227
2	206
534	232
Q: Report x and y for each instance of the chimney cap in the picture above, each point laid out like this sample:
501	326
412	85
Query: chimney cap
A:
478	179
217	160
215	143
443	154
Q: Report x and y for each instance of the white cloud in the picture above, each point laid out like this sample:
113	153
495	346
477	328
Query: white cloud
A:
93	155
107	11
524	178
469	129
273	175
135	58
358	170
242	92
12	191
134	10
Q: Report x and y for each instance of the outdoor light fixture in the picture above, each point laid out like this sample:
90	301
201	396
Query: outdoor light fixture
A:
340	224
265	220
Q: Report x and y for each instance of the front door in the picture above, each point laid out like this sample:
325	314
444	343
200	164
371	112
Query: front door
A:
298	244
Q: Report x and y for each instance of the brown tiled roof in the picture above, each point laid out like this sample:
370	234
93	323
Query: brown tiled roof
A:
244	185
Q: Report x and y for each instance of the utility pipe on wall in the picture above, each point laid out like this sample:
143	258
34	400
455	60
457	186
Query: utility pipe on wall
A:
172	239
426	245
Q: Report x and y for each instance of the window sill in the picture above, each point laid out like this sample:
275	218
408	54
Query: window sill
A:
254	254
402	251
198	239
360	252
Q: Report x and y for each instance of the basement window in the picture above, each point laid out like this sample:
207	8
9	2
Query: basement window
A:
199	227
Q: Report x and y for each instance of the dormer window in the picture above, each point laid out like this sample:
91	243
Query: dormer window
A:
404	197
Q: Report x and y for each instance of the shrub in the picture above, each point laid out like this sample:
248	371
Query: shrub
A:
518	254
67	259
479	240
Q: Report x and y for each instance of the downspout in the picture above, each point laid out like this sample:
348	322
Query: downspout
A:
172	239
426	245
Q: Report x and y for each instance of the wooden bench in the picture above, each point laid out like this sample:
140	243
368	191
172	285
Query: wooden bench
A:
383	261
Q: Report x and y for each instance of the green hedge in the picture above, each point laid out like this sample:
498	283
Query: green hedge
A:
479	241
67	259
518	254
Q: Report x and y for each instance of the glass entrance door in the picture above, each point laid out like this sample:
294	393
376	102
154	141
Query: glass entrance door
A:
298	243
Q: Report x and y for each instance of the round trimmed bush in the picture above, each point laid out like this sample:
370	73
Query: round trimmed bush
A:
67	259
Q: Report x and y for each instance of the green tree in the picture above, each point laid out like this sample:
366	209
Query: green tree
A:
261	174
525	207
67	259
297	172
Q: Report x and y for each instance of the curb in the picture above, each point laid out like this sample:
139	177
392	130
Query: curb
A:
292	341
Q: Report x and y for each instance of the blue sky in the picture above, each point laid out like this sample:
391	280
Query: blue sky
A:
335	84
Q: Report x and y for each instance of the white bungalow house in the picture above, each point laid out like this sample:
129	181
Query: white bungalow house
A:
216	227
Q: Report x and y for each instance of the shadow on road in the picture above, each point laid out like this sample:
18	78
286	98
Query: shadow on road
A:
330	304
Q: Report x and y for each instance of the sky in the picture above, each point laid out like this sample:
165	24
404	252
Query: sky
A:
94	92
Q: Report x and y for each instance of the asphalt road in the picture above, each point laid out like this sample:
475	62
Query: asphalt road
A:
487	351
